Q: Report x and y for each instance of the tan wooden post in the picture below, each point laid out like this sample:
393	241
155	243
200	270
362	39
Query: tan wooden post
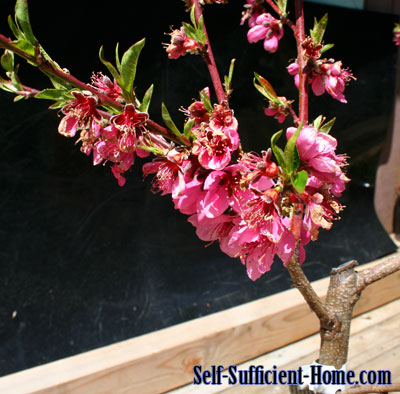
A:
388	173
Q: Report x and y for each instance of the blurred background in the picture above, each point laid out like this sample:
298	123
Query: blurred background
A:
85	263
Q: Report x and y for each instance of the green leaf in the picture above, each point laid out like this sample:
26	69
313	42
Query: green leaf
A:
300	180
326	128
192	14
22	18
152	149
113	71
15	81
205	98
58	83
26	46
282	4
15	29
7	60
117	61
57	104
110	109
7	85
326	48
265	88
52	94
317	122
128	65
18	98
278	152
228	78
201	36
144	106
317	33
190	31
187	129
291	154
168	121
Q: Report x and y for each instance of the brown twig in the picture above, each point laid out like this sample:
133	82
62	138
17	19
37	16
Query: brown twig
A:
299	278
371	275
301	282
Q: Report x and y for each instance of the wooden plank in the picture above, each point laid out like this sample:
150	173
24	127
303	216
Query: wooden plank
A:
163	360
378	329
388	172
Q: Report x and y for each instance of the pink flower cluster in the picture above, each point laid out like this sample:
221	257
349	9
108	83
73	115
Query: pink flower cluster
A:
181	44
325	75
239	199
396	34
323	165
253	9
265	27
278	109
114	139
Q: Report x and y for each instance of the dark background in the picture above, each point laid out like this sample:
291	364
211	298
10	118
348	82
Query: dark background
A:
84	263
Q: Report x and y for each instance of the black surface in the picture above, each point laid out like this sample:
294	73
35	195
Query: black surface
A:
85	263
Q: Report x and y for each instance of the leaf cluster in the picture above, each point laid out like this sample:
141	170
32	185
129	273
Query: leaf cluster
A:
289	160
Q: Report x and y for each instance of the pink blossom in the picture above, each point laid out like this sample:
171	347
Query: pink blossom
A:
105	86
396	33
223	191
253	11
89	136
335	80
280	112
118	142
79	113
212	229
259	168
267	28
263	216
317	150
325	75
198	112
186	200
320	211
214	147
181	44
169	177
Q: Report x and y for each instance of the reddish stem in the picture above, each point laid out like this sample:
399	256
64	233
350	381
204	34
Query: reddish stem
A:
297	220
274	7
303	83
209	59
294	115
156	128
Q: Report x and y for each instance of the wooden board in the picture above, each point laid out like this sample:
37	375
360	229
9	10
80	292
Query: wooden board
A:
163	360
378	329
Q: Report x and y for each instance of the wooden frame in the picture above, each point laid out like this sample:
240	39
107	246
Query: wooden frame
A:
163	360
